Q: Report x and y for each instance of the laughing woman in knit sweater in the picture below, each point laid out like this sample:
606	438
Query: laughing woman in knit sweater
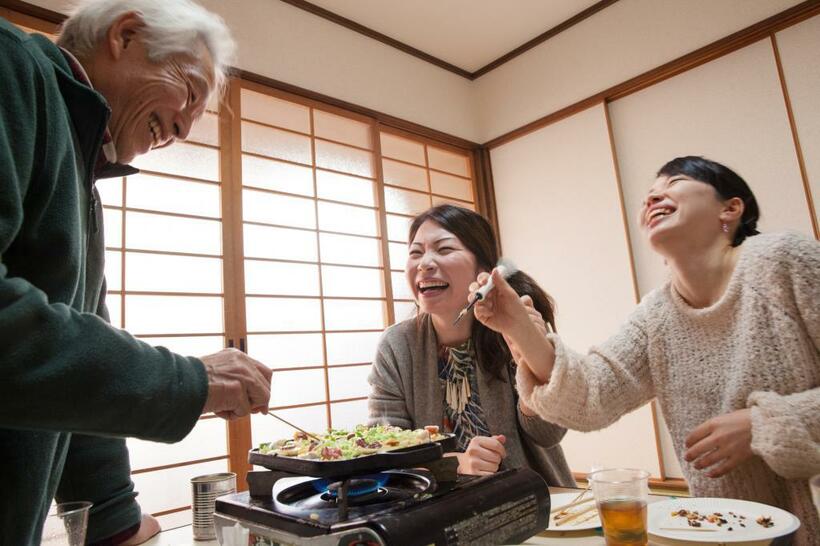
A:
729	346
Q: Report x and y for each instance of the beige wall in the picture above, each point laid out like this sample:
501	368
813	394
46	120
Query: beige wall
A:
732	110
618	43
555	191
800	54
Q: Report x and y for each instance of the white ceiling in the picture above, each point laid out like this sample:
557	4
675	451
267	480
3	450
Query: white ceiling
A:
466	33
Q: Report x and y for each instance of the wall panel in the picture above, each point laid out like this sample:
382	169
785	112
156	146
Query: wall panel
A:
800	56
560	218
730	110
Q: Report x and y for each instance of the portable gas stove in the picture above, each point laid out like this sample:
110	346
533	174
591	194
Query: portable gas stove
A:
397	507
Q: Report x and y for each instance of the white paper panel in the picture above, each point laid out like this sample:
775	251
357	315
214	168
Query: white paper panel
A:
208	438
167	489
171	233
173	314
348	382
561	222
730	110
163	273
286	350
800	55
293	387
349	414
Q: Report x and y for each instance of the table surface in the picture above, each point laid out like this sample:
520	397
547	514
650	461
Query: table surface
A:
182	536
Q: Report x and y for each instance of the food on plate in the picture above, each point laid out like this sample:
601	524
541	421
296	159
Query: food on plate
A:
338	445
765	521
696	519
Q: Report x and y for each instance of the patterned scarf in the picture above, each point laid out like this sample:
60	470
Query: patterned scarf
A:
463	415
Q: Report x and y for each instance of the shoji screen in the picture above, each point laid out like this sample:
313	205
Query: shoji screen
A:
561	221
163	233
314	280
417	175
731	110
800	56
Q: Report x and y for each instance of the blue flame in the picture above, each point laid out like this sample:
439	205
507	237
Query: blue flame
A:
372	484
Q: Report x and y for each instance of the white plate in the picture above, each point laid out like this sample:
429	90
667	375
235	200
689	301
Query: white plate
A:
560	499
660	519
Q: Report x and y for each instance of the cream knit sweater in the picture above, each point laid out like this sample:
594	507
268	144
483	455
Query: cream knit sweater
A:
757	348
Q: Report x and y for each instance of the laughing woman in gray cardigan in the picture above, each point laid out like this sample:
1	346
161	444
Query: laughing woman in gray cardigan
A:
429	371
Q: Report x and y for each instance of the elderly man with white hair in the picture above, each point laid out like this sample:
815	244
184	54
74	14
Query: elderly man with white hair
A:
126	76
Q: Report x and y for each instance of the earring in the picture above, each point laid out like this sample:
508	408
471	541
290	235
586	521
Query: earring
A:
725	227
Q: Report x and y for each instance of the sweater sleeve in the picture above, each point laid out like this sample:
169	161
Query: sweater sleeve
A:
592	391
786	428
63	369
387	402
541	432
786	431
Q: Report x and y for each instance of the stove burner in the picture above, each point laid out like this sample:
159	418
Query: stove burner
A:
364	486
318	500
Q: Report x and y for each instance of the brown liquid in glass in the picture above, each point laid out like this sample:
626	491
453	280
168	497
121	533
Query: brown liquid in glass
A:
624	522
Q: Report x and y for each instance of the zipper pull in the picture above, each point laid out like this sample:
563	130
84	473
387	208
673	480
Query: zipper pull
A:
93	212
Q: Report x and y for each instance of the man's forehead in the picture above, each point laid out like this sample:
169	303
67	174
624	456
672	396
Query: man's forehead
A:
199	65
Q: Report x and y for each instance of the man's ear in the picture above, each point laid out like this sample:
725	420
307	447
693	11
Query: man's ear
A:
121	33
732	210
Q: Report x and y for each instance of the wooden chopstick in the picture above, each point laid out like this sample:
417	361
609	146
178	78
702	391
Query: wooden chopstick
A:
571	505
696	529
589	517
268	412
562	521
574	502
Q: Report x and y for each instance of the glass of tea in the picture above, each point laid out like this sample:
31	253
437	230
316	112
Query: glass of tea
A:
621	496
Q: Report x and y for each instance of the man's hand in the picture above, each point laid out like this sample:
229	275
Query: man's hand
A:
237	384
721	443
483	455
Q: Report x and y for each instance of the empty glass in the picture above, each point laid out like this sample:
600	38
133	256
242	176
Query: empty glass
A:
621	496
66	525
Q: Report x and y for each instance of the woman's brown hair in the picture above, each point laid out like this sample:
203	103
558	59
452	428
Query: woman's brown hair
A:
476	233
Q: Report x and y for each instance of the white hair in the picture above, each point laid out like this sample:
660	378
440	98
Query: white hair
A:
171	27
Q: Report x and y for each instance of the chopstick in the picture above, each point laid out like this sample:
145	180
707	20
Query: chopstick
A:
562	521
589	517
571	505
268	412
695	529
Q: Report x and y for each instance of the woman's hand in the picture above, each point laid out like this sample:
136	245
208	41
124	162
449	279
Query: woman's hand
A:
501	309
483	455
521	325
721	443
539	323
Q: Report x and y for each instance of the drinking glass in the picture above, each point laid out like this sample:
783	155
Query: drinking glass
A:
66	524
621	496
814	483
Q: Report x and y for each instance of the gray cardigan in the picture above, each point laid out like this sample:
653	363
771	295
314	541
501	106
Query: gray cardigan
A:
406	392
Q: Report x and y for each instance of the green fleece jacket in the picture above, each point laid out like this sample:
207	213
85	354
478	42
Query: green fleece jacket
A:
71	385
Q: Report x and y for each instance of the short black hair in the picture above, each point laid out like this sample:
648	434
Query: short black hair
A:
726	182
